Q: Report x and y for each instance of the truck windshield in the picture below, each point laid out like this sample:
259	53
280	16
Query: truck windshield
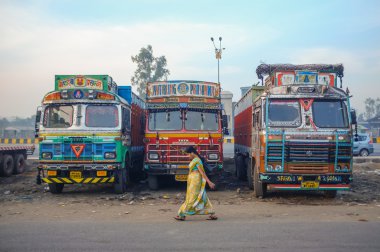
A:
330	114
167	120
102	116
201	121
284	113
58	117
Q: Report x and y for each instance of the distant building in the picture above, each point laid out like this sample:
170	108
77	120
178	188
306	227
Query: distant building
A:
227	105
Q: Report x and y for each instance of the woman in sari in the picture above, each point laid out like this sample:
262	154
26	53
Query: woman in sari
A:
197	202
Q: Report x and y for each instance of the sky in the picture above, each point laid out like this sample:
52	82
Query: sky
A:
39	39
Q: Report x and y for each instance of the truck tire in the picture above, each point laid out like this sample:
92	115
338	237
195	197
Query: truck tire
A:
330	194
56	188
120	185
241	172
6	167
248	164
260	188
153	182
19	165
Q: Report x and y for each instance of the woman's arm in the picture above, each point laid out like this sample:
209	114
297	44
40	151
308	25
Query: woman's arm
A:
202	172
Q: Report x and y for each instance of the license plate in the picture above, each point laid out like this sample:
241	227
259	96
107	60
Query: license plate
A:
181	177
101	173
75	174
309	184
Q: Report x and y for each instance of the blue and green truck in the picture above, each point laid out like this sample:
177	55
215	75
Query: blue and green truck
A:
90	131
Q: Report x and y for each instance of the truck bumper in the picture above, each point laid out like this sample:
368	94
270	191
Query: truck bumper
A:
306	182
78	173
178	169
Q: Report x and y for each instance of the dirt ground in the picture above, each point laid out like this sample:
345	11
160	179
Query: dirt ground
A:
22	199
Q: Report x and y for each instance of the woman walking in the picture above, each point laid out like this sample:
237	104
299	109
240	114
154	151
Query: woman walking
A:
196	201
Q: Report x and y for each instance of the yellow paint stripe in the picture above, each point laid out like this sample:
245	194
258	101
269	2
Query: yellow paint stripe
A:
28	141
112	180
95	180
46	180
14	141
56	180
104	180
183	135
87	180
66	180
6	140
77	180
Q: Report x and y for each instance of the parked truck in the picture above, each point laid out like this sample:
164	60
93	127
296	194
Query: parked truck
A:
295	132
13	158
180	114
90	131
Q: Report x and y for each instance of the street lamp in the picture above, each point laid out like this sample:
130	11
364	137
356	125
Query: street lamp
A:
218	52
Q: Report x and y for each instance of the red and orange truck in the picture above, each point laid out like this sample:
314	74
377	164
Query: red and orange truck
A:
179	114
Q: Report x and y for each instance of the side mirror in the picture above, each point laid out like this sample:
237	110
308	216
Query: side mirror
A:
224	121
353	117
225	131
37	122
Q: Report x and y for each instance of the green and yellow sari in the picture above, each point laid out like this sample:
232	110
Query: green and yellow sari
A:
196	201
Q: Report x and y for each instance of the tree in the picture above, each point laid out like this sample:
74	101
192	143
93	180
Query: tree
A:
148	69
372	107
369	108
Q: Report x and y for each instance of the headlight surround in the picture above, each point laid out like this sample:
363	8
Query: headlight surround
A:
278	168
213	156
47	155
110	155
153	156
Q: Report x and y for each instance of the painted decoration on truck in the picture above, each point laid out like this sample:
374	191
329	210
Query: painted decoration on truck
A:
79	82
327	79
285	78
201	89
303	77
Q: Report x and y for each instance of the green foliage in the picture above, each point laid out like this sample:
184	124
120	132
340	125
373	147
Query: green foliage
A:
372	107
149	68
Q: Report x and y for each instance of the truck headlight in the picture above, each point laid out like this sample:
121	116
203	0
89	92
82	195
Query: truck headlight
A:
213	156
110	155
153	156
278	168
46	155
269	168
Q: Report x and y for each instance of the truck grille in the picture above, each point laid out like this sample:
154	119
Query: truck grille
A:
308	157
175	153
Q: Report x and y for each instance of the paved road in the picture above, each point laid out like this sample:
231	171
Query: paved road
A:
242	235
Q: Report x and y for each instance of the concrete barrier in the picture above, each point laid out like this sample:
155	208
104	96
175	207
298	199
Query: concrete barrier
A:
18	141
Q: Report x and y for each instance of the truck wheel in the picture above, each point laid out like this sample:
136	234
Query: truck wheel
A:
364	153
19	165
330	194
6	168
153	182
249	173
241	172
119	185
56	188
260	188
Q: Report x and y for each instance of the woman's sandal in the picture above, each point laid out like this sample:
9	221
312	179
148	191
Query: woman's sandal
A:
212	217
179	218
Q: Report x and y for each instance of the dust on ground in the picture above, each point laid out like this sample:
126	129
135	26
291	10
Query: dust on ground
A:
23	188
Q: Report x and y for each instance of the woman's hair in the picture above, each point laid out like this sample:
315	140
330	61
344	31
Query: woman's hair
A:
191	149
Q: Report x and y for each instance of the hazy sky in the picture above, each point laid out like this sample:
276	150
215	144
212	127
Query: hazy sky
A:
39	39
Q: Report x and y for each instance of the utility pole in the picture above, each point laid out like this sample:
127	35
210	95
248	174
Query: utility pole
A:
218	52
